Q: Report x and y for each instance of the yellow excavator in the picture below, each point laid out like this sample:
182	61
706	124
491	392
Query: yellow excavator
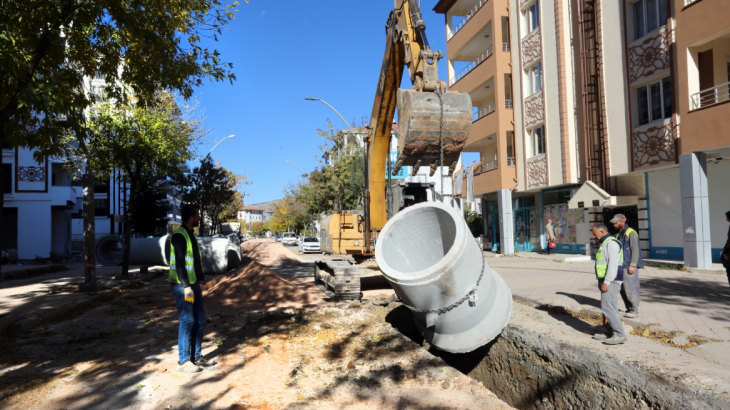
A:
433	126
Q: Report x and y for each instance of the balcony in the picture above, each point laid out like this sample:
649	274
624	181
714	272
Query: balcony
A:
488	177
466	18
62	195
490	108
717	94
482	57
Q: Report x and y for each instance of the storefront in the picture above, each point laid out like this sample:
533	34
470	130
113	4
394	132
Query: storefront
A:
491	225
571	226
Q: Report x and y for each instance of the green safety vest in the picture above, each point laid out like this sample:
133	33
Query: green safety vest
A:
602	263
189	259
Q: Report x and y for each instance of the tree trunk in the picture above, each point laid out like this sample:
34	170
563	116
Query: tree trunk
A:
89	233
128	217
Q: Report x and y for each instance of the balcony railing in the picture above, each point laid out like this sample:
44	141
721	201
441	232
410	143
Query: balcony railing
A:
466	18
505	47
508	103
511	161
485	55
485	167
711	96
490	108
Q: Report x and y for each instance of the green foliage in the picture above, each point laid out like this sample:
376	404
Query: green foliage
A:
340	184
213	188
474	221
152	197
49	46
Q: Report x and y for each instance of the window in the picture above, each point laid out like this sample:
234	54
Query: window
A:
649	15
537	140
7	173
532	17
654	101
101	207
534	79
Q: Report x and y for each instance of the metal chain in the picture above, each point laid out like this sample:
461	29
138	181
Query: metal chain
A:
441	144
453	305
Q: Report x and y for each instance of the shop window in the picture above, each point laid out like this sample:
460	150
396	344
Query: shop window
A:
654	101
648	16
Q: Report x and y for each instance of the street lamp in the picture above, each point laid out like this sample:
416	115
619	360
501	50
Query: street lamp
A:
304	174
214	146
333	109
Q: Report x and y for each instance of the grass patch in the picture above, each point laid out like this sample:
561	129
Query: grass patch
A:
583	314
661	336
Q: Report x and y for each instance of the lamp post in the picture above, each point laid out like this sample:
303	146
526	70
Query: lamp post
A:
214	146
304	174
333	109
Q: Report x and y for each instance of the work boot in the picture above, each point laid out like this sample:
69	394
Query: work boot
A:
203	362
614	340
600	336
189	367
631	314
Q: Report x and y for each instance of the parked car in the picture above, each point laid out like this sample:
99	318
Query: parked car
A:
288	239
309	244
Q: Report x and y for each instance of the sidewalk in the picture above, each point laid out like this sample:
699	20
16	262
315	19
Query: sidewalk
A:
688	302
24	302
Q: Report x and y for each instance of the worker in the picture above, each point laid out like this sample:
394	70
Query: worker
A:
609	260
633	261
186	274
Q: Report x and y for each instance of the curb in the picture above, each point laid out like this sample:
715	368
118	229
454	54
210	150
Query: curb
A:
534	303
35	271
25	324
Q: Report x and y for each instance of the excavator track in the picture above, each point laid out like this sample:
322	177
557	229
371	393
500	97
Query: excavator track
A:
338	279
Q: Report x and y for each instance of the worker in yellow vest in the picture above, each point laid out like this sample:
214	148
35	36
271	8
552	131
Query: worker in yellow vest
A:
609	260
633	261
186	275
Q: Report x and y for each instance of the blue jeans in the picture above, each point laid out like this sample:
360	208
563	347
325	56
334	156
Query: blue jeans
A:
192	320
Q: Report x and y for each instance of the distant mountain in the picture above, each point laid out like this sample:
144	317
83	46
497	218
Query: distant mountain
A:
267	206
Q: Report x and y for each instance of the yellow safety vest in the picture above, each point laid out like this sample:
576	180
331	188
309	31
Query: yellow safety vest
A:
602	263
189	259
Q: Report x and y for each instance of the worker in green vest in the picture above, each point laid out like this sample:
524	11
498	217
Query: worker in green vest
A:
186	275
609	260
633	261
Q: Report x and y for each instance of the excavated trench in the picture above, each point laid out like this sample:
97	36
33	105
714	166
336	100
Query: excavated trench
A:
536	372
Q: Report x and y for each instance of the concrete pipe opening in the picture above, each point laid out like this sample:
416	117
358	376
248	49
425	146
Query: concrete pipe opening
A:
109	250
429	256
150	251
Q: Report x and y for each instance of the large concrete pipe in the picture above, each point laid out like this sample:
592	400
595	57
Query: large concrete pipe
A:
434	264
109	250
215	254
150	251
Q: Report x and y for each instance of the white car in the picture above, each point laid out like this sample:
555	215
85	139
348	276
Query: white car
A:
288	239
309	244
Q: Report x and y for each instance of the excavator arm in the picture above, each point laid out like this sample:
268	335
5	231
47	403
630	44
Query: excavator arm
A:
433	125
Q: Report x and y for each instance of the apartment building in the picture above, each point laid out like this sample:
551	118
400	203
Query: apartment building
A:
687	199
251	214
38	204
479	63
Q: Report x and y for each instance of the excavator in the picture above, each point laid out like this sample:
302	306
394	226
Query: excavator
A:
433	126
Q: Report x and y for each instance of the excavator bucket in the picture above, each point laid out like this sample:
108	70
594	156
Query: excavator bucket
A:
422	119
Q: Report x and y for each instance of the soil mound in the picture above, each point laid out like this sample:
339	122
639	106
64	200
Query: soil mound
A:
269	253
254	287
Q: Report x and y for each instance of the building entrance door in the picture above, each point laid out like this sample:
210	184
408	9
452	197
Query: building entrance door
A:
526	235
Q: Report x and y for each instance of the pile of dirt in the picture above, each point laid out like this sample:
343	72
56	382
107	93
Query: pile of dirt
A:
269	253
254	287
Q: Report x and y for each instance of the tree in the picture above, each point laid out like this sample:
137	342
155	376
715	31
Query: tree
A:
152	197
213	188
257	227
141	141
340	184
48	48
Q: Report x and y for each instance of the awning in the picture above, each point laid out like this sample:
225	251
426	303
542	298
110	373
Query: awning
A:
591	195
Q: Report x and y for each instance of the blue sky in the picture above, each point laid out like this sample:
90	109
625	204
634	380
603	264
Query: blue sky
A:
282	52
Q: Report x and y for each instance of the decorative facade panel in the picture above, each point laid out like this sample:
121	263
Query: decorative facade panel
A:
654	146
31	174
650	56
531	48
537	171
534	109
